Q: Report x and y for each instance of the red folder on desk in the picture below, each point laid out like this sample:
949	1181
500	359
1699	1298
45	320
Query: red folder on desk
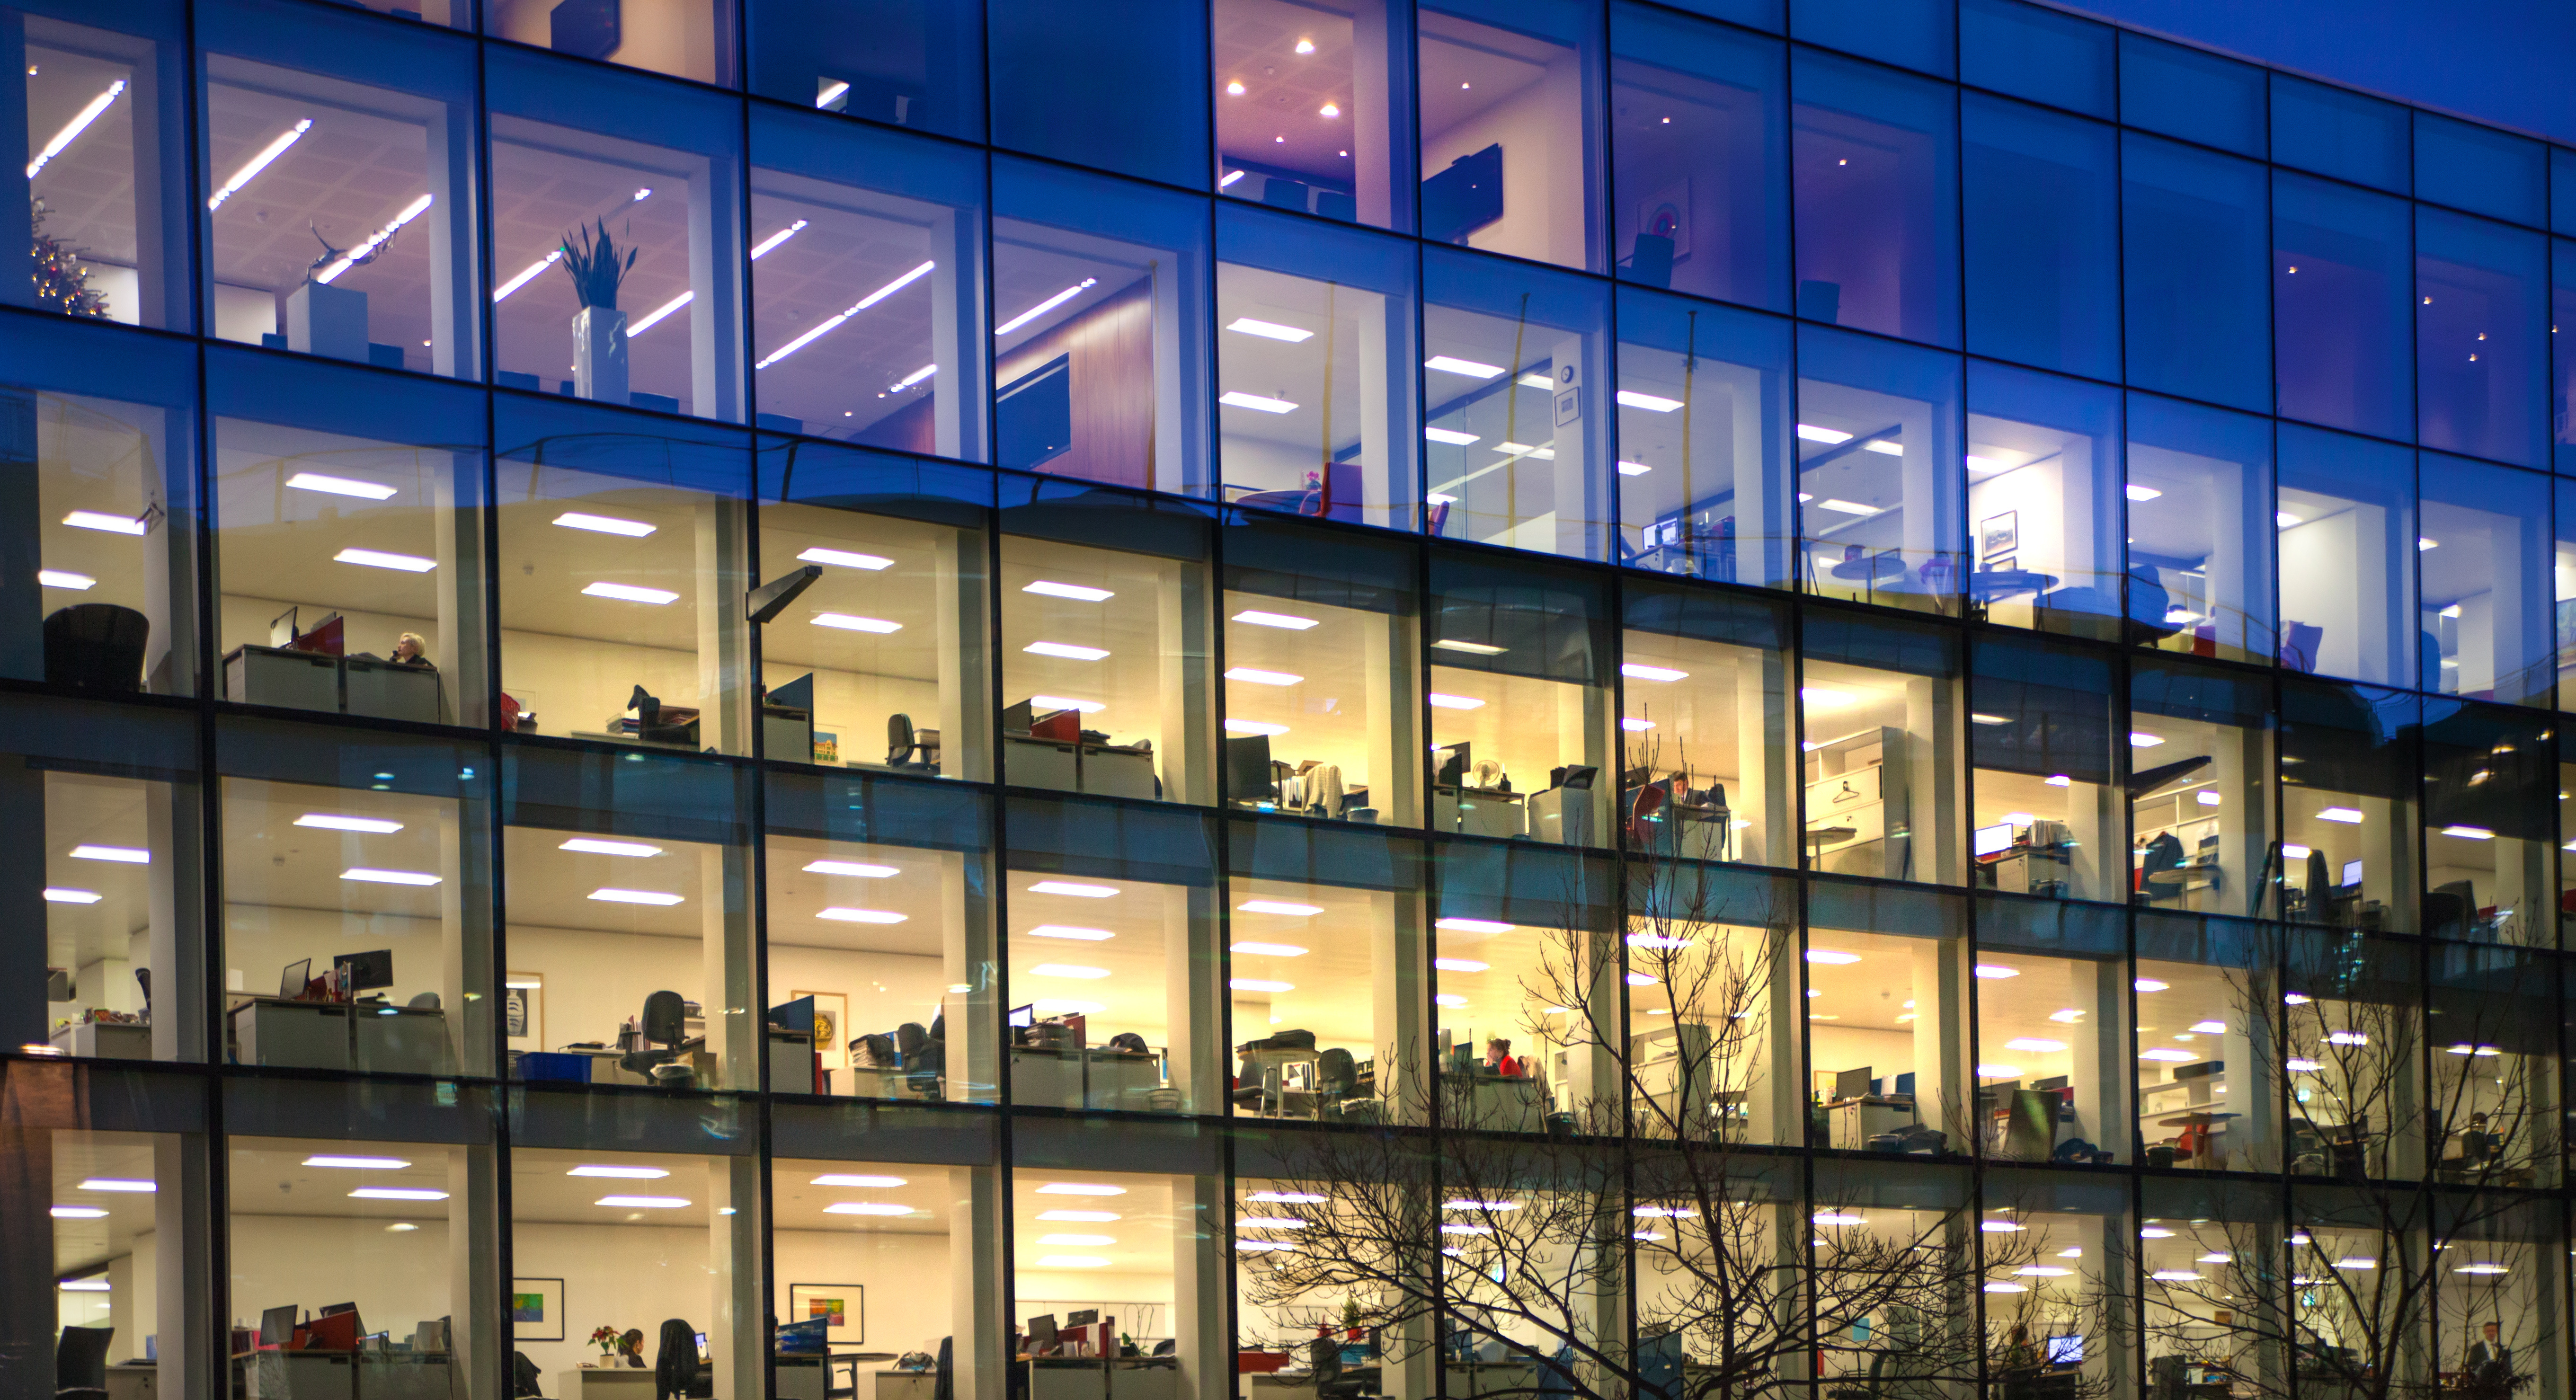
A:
330	1332
1064	726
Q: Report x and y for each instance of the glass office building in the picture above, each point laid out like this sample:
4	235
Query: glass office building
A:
854	511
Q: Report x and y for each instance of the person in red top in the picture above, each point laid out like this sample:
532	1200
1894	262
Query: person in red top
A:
1498	1058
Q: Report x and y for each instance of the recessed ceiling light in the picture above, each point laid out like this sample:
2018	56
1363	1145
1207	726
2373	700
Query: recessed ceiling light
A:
85	1285
113	524
2346	815
1634	469
1072	933
380	559
851	622
1079	592
626	1173
79	1212
1471	648
1269	330
654	897
1059	702
113	1183
1454	702
1284	621
860	916
846	559
1846	507
2136	492
1258	403
1652	403
1827	436
1996	971
1450	436
55	894
1042	308
63	578
1457	925
851	1179
1066	650
1834	956
1473	369
604	524
644	1202
852	868
1255	676
1460	965
390	1164
1267	950
1076	890
1638	672
592	845
369	876
630	593
332	821
340	486
1279	906
396	1193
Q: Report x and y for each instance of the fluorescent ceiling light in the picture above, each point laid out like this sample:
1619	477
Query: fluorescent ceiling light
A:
832	92
1838	1218
1522	449
2356	1262
1081	1188
2044	1271
339	486
2346	815
1072	933
659	314
2140	739
2001	1227
1284	621
1238	399
1079	592
594	846
1456	925
654	897
1634	725
850	1179
1996	971
1042	308
2469	833
123	855
773	240
1269	1222
913	378
1260	984
2168	1055
267	154
604	524
645	1202
113	524
78	1212
1471	648
112	1183
1077	891
2174	1276
867	1208
1637	671
624	1173
852	868
390	1164
1079	1217
840	915
1446	999
333	821
1884	448
2284	519
1303	1198
1232	175
630	593
1269	330
1460	965
2136	492
2423	543
396	1193
1827	436
871	299
59	578
1846	507
379	559
1834	956
1066	650
2209	1027
1634	469
72	129
1535	381
1255	676
526	275
373	241
1074	971
85	1285
56	894
368	876
1451	436
1454	702
845	558
1279	906
1999	1071
1267	950
1824	697
852	622
1652	403
1451	364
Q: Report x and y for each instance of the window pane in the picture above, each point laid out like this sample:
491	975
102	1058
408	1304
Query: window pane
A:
1705	726
106	188
607	521
2210	1249
2043	457
897	1236
2347	533
1878	481
1122	96
1877	172
2480	169
2350	1018
2052	990
2053	1244
1520	702
2480	563
2200	789
2047	818
1887	1031
1713	1002
2193	282
1703	415
691	39
2039	54
1114	914
1920	35
2482	368
2348	756
2199	489
94	1262
1520	930
1490	73
1517	448
349	544
2188	93
1165	1234
916	63
2489	795
2340	318
2339	133
1322	651
1879	709
1698	127
1315	370
656	172
1309	108
1104	669
378	169
2043	217
866	300
2207	1098
1099	289
1325	967
2562	382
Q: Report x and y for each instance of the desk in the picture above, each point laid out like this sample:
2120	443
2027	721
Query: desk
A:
1989	585
1100	1378
304	680
1478	812
1494	1103
1096	1077
1853	1122
134	1380
604	1383
906	1385
811	1375
1690	832
346	1375
384	1039
105	1040
1113	770
1561	815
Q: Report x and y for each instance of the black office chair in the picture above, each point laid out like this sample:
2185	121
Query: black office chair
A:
907	747
945	1387
80	1363
676	1372
666	1017
96	645
523	1378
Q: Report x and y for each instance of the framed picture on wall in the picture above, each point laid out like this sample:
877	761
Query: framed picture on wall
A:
836	1301
1999	534
523	1009
831	1026
537	1309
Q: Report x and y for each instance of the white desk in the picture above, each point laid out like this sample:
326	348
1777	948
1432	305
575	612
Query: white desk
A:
1123	1379
1092	1078
105	1040
134	1380
906	1385
602	1383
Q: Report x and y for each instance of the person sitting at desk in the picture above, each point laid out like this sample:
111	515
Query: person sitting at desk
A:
411	651
1498	1059
630	1349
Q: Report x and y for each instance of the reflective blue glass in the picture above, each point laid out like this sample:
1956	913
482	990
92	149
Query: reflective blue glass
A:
2192	229
2346	522
2044	492
1123	92
1755	14
2343	338
2197	96
2562	374
2562	190
2039	54
2042	237
2339	133
2483	580
1699	150
1703	421
1878	472
1914	33
2480	169
1877	200
915	63
2481	343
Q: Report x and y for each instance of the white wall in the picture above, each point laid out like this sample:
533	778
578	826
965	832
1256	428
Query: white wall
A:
621	1276
261	939
398	1279
596	979
1540	129
905	1306
1886	1053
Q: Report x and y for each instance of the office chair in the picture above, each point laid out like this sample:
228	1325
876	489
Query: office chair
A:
523	1378
911	748
1324	1354
80	1363
2450	910
97	645
666	1025
675	1357
2299	645
909	1042
945	1386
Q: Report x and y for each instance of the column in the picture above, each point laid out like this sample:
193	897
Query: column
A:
1776	1110
2385	841
2111	1253
715	276
2099	1046
464	909
1388	457
736	1022
738	1338
22	612
23	1009
2240	774
175	816
2097	821
1188	712
1194	995
464	663
978	1221
1395	740
17	221
1201	1305
170	553
1935	846
1578	501
723	587
965	695
1761	810
957	334
455	291
974	1028
480	1352
1383	145
1940	1039
1400	988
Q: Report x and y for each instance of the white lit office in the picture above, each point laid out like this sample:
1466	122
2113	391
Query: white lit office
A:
2202	1101
109	1225
96	110
1113	1011
1521	723
1700	394
1704	734
2200	755
2199	485
1713	1014
1314	720
1505	140
868	1269
111	913
2047	813
1878	742
1319	989
1313	362
1518	981
1516	428
1102	652
1884	1051
104	540
869	957
2043	527
1305	120
1879	482
1104	1261
2348	819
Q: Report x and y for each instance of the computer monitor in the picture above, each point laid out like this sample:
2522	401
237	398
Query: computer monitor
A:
1042	1333
1024	1016
1992	840
277	1326
290	983
2066	1351
1851	1083
1082	1317
1455	762
335	1309
702	1346
367	971
1247	769
2351	872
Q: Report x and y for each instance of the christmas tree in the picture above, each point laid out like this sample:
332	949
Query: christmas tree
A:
61	282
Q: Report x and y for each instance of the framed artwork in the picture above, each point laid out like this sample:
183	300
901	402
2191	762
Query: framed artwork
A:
831	1026
523	1009
1666	213
537	1309
1999	534
2003	564
838	1301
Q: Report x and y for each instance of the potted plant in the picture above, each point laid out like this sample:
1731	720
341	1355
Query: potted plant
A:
605	1338
598	328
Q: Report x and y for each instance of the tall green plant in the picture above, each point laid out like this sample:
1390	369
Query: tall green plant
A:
594	267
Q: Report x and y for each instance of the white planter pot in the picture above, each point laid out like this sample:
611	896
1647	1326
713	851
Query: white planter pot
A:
599	355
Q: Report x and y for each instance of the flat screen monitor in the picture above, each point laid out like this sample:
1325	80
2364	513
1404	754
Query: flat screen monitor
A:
1851	1083
335	1309
2352	872
1247	769
1993	840
1042	1333
1082	1317
1024	1015
367	971
277	1326
290	983
1455	761
702	1346
2066	1351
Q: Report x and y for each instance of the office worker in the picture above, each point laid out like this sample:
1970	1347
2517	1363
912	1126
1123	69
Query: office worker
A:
1498	1058
410	650
2489	1367
630	1349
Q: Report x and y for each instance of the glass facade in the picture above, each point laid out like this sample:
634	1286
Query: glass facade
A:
1916	647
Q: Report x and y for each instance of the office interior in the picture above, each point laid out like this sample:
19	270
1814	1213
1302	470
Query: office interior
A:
1879	744
114	897
1712	1014
1308	118
1516	425
1104	653
2200	747
1314	367
2202	1095
1507	133
684	38
1310	723
132	237
2346	822
1318	988
1885	1055
2055	1250
1137	1253
2047	811
1878	485
1704	767
878	940
2044	526
1858	1228
109	1224
1116	1007
108	543
883	1255
1696	122
2347	593
2198	486
1702	395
